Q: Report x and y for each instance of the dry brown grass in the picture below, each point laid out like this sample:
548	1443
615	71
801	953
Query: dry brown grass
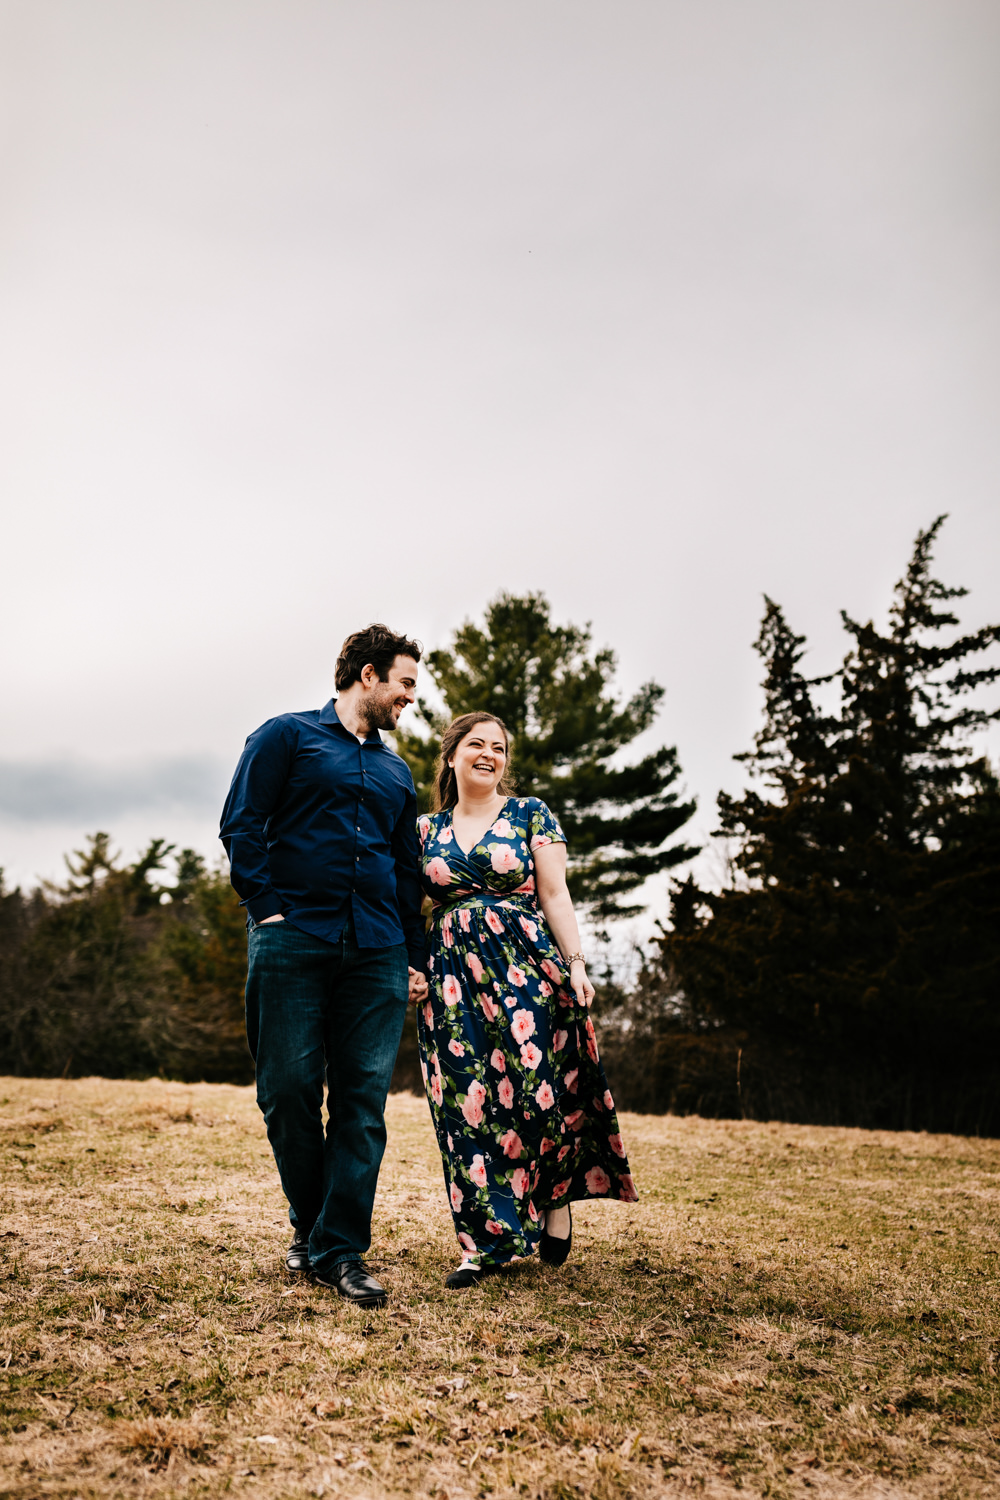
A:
787	1312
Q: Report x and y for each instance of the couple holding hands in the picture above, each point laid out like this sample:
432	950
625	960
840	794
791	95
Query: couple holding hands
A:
332	863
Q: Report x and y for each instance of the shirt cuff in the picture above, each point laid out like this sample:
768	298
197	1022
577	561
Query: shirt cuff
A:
268	905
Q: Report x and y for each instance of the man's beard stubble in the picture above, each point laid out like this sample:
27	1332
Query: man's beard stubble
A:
376	711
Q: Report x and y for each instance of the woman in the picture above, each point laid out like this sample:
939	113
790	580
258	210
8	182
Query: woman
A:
521	1107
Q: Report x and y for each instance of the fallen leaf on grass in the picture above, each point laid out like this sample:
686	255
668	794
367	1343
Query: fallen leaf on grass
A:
265	1437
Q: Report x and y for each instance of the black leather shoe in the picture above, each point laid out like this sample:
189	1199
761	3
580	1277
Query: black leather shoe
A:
554	1251
297	1255
353	1280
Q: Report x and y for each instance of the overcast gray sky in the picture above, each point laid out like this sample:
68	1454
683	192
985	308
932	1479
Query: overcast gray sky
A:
319	313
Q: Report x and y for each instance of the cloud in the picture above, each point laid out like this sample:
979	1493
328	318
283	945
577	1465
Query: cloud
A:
79	791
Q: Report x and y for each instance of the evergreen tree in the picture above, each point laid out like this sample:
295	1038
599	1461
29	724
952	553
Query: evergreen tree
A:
858	948
554	694
101	975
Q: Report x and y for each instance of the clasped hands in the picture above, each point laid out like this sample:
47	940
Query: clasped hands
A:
418	987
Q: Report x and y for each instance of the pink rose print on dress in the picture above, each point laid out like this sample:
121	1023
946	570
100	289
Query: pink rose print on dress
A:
574	1119
531	928
451	990
464	919
560	1039
545	1098
436	1092
527	888
478	1172
498	1061
506	1093
609	1103
563	1153
423	1070
546	1146
455	1048
545	988
591	1040
538	840
437	870
423	828
445	836
446	933
597	1180
467	1242
530	1055
617	1145
502	829
456	1197
451	1143
503	858
561	1188
477	1091
428	1016
489	1007
549	968
472	1110
519	1182
571	1080
475	967
493	922
522	1025
511	1143
492	1227
517	977
627	1189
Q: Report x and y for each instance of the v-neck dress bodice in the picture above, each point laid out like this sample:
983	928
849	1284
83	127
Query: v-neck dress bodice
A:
521	1107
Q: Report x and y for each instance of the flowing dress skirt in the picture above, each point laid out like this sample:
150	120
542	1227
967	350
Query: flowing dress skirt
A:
521	1107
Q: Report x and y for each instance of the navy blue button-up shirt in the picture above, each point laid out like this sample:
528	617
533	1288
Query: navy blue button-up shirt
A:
318	825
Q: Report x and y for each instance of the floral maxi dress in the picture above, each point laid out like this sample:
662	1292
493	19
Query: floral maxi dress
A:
521	1107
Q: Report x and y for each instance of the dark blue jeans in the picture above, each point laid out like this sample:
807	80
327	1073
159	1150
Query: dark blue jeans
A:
320	1010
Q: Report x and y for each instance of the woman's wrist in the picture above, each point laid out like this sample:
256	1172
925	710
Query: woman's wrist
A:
576	958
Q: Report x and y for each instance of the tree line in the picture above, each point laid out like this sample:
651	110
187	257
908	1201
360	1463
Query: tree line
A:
846	972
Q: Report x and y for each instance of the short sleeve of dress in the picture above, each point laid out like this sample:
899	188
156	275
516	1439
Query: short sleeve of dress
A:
543	826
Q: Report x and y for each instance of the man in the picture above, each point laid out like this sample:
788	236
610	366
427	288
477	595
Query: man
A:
319	826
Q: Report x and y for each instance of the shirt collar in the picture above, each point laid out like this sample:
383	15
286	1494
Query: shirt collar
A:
328	715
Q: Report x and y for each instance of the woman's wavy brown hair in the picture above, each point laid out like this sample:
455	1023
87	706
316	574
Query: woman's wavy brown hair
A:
445	785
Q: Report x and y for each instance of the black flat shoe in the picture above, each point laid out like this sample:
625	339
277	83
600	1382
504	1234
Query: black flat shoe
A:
353	1280
297	1255
553	1251
470	1276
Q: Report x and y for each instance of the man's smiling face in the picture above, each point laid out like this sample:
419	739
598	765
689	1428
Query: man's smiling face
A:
384	701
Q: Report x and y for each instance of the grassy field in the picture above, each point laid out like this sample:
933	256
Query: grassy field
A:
788	1311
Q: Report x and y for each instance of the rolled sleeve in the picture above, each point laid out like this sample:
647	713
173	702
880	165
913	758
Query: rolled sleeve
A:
409	896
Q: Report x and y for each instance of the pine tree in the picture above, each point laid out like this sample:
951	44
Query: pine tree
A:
858	948
554	693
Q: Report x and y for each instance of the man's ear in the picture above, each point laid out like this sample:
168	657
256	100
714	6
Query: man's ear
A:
367	673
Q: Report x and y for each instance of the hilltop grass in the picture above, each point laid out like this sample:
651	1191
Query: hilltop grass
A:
788	1311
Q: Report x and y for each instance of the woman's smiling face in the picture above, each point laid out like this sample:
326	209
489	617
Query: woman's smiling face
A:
480	759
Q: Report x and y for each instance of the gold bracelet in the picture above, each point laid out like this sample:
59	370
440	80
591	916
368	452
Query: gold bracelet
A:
573	958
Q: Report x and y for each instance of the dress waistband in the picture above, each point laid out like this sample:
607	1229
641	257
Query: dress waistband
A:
519	903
